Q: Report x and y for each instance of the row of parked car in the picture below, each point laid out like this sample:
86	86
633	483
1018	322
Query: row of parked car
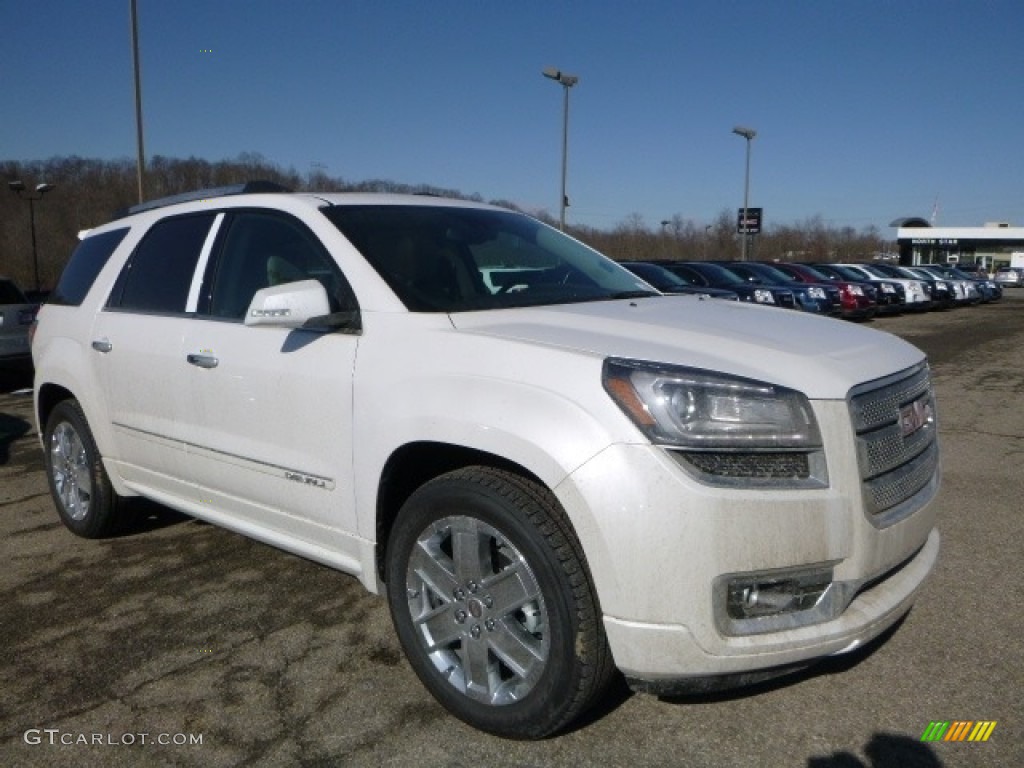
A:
851	291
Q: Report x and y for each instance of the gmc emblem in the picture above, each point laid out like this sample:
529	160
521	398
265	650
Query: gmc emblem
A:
914	416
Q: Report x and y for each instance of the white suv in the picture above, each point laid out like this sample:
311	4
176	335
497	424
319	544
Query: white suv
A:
551	478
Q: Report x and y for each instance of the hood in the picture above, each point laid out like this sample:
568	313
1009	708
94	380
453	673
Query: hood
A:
821	357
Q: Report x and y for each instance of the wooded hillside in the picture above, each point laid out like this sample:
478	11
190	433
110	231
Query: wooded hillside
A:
87	192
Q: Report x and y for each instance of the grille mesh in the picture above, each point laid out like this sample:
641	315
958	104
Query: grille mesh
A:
764	465
897	448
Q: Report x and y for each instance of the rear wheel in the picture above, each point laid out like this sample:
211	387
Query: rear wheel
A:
493	605
79	484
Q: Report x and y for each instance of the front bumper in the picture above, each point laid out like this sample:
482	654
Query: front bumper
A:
657	541
664	658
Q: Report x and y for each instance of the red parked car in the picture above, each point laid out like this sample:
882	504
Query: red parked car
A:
856	303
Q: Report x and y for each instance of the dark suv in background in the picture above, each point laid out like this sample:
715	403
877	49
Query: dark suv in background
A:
715	276
819	298
669	282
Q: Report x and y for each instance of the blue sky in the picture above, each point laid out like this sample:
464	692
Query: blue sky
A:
866	111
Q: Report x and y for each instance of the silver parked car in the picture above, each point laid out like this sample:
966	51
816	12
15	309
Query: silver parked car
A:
1010	277
16	316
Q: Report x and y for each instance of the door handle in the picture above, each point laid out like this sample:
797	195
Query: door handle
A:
102	345
203	361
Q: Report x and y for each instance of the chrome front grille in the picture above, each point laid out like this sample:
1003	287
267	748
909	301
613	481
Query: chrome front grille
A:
897	441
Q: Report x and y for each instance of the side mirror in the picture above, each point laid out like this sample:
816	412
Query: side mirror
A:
290	305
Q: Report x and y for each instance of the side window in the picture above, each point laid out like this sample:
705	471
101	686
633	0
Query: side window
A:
159	273
87	260
261	249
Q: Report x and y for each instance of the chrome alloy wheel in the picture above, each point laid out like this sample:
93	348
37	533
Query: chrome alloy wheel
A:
69	468
478	610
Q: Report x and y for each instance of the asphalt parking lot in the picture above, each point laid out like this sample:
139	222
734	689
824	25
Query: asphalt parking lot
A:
182	644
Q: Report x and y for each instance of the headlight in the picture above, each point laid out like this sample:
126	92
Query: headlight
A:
856	290
726	430
691	408
761	296
886	288
816	293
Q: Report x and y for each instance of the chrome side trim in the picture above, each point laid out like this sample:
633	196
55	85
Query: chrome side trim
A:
287	473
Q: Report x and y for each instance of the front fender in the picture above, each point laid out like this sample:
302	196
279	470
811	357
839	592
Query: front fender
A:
541	408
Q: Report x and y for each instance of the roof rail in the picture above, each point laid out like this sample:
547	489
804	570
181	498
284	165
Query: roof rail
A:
249	187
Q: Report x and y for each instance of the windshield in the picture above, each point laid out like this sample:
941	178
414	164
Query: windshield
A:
771	273
719	275
871	269
851	273
454	259
659	277
818	274
954	272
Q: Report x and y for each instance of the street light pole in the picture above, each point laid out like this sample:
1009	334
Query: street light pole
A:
748	134
140	161
18	188
567	81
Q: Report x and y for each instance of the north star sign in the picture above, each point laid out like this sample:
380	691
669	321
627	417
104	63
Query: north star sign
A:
753	222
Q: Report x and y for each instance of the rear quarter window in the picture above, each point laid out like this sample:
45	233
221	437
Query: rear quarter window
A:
86	262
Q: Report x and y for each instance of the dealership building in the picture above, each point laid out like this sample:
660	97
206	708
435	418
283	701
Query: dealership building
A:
991	245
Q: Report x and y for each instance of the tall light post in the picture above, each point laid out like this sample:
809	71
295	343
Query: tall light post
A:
140	162
748	134
567	81
18	188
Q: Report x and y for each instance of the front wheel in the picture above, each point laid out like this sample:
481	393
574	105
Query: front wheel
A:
493	605
79	484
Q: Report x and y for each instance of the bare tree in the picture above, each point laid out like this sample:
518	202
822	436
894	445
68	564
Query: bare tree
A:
88	192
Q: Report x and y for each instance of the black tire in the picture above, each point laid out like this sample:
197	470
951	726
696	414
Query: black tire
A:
493	604
79	484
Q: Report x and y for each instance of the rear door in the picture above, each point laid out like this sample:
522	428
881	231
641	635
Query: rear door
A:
137	348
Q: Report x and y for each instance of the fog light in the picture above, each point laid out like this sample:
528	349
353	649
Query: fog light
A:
754	596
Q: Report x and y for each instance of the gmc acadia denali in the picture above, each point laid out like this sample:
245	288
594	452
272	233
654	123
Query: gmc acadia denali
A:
555	474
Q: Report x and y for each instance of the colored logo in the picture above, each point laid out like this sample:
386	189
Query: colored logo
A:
958	730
